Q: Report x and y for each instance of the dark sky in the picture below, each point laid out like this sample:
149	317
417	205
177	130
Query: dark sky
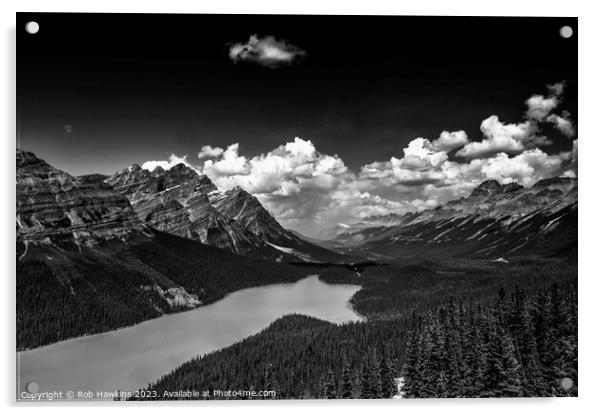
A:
139	87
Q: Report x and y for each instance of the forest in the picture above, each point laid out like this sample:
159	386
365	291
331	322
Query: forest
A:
476	330
96	290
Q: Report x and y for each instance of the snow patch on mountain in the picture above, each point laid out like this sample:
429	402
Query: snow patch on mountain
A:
292	251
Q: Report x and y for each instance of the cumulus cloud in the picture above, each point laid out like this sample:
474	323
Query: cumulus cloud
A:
419	165
229	164
210	152
514	138
562	123
526	168
311	191
500	137
266	51
172	161
448	141
441	180
287	170
539	107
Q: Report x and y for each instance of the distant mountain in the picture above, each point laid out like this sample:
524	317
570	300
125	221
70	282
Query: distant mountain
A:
86	262
182	202
494	221
305	237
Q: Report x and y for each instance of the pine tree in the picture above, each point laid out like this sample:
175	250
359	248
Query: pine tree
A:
330	386
270	382
388	385
502	370
409	371
375	376
370	377
322	387
346	382
474	362
511	381
365	380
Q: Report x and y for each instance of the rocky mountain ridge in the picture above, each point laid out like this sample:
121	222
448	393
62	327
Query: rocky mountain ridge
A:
495	219
55	207
182	202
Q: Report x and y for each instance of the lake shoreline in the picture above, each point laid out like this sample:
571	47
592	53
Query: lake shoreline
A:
116	358
213	301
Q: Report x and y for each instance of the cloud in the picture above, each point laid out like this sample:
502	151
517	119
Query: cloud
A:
557	89
526	169
310	191
210	152
448	141
230	163
562	123
514	138
419	165
266	51
444	179
539	107
571	169
502	138
173	160
287	170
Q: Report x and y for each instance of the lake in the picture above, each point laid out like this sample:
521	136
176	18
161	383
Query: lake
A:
128	359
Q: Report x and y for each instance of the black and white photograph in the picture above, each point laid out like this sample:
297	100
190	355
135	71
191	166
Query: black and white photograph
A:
295	207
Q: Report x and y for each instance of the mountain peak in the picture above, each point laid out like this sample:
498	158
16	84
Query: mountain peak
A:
25	158
179	167
237	190
53	205
487	188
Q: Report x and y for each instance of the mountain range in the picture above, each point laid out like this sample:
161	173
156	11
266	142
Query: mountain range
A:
90	260
494	221
97	252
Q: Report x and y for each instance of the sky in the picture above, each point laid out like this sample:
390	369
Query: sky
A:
326	119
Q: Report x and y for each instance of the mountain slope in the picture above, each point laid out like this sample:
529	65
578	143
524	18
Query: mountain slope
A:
86	263
182	202
56	207
493	221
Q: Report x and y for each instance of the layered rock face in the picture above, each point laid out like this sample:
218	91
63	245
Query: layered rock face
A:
247	211
176	201
56	207
493	220
182	202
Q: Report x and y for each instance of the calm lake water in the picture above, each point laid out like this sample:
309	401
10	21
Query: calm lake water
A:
130	358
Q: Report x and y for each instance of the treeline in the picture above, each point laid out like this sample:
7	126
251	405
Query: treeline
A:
397	291
522	345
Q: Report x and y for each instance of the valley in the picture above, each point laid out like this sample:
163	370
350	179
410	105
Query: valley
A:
140	248
129	358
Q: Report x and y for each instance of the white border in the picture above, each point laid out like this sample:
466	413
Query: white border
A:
590	106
